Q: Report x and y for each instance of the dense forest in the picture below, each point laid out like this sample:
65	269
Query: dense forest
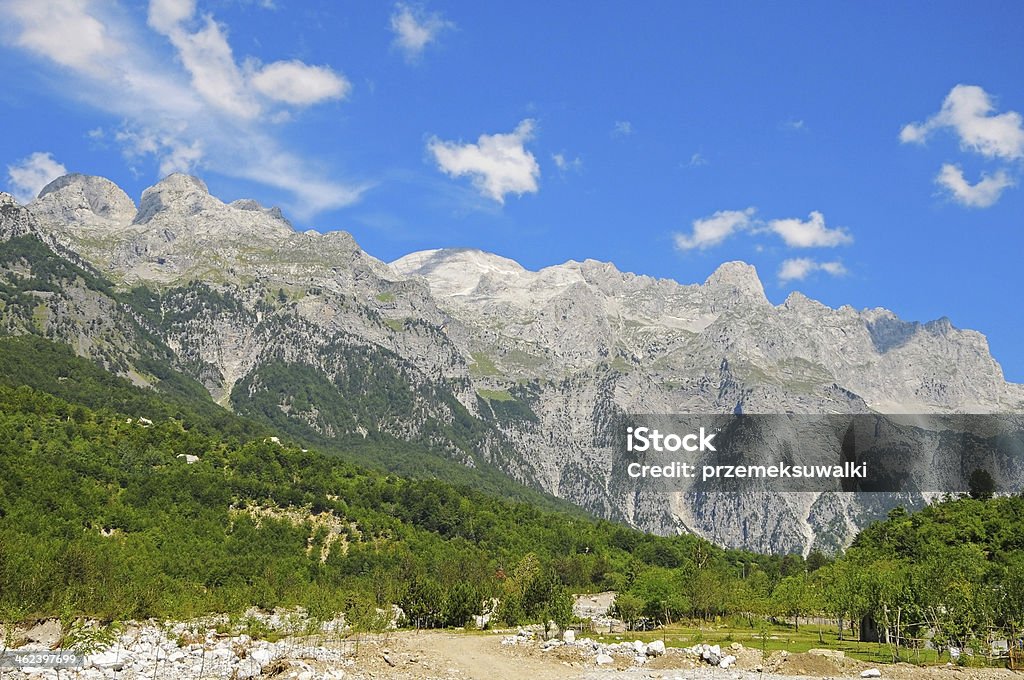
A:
118	502
102	512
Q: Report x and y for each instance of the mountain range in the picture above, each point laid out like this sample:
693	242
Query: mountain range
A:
468	354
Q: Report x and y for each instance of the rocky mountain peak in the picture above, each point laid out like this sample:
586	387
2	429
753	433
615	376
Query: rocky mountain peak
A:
250	205
6	199
182	194
736	277
179	182
182	205
84	200
456	271
797	301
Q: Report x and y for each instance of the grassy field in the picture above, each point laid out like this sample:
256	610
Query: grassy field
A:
775	637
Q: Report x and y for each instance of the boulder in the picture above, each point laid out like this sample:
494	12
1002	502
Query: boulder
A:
109	659
827	653
603	659
871	673
44	633
727	661
656	648
261	656
247	668
569	637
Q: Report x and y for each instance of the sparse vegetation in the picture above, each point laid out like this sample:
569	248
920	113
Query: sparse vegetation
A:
483	366
495	395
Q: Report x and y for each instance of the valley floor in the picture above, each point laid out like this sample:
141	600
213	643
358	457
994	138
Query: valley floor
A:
436	655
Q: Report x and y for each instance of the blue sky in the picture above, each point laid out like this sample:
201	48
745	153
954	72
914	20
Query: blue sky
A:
866	154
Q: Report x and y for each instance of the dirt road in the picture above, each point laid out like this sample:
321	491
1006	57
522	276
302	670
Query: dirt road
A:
459	656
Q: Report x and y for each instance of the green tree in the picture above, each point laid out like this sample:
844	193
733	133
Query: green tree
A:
981	485
628	608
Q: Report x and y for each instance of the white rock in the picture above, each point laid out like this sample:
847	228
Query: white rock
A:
569	637
603	659
108	659
656	648
871	673
247	668
262	656
727	661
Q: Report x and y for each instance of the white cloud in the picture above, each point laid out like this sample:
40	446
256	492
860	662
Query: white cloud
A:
697	160
174	154
566	164
799	268
810	234
64	32
29	175
796	269
208	110
165	15
982	194
207	56
294	82
710	231
499	164
835	268
968	111
622	128
414	29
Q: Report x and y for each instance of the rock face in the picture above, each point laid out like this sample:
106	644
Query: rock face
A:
85	201
534	366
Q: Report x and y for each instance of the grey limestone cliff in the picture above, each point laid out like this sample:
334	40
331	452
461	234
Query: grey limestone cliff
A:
547	359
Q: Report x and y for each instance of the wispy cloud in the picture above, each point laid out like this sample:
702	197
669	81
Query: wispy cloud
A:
969	112
29	175
982	194
415	28
498	164
799	268
566	164
65	32
207	110
622	128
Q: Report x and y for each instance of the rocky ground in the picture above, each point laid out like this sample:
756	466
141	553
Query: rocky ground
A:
189	651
